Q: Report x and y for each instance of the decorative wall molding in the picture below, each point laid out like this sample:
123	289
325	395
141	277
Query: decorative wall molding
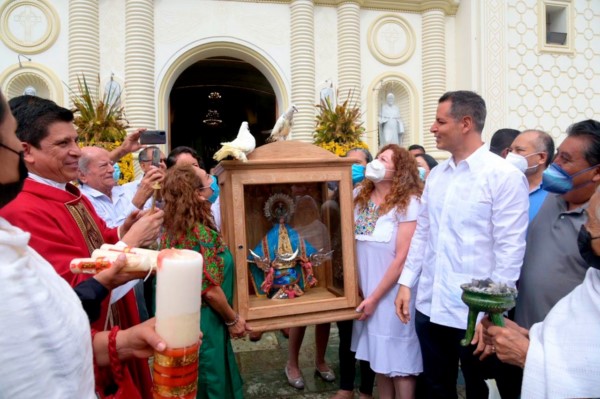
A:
84	43
434	70
493	64
450	7
349	57
28	26
16	78
391	40
303	68
139	64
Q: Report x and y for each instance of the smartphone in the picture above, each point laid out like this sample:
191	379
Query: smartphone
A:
153	137
156	157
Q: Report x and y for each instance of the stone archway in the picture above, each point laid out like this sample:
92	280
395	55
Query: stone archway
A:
249	84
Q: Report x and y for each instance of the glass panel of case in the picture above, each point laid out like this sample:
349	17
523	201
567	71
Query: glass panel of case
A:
293	234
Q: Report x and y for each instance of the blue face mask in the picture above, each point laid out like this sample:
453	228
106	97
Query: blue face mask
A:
116	172
214	186
422	172
358	173
556	180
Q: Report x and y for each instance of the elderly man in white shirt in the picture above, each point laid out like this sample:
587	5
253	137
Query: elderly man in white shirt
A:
111	202
472	225
98	185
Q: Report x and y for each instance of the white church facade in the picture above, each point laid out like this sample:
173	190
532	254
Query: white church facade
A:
535	62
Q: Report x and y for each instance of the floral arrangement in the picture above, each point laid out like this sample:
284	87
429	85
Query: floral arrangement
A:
100	121
339	128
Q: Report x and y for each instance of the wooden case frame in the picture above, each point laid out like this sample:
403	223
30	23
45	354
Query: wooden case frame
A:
288	162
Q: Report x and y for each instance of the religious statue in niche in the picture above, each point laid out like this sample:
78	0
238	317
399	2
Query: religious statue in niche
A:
391	127
281	264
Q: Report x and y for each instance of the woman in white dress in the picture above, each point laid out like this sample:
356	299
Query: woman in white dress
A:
386	208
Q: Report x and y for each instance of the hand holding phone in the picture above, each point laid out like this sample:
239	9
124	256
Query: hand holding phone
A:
156	157
153	137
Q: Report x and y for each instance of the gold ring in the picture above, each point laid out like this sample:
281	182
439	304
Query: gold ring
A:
493	348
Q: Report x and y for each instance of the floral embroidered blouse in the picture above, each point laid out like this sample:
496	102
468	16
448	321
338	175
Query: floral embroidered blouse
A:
210	244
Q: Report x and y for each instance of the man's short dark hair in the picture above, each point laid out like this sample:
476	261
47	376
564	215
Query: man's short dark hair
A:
177	151
34	115
502	139
466	103
429	160
413	147
591	130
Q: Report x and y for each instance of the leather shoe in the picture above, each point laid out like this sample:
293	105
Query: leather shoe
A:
328	375
297	383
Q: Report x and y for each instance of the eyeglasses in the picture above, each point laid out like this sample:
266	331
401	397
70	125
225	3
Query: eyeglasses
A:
163	160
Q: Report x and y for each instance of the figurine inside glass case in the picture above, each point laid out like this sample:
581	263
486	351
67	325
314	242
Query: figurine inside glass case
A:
281	264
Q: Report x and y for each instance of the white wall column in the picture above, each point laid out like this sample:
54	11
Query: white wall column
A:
349	61
84	43
140	92
303	68
434	69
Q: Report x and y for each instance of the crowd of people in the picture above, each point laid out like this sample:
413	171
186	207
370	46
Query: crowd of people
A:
515	212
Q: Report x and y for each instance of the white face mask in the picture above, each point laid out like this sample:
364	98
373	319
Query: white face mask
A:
519	161
375	171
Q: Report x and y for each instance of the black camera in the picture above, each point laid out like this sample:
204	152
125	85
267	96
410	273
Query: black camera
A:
153	137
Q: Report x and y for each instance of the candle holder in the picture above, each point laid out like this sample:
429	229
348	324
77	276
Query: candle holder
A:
175	373
178	301
486	296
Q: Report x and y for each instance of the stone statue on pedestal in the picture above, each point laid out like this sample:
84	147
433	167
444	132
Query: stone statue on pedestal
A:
391	127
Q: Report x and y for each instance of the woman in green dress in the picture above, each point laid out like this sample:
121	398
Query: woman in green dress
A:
189	224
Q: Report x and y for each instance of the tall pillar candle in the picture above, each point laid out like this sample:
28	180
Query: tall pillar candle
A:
178	296
178	300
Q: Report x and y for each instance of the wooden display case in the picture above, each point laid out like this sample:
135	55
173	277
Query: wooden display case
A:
286	212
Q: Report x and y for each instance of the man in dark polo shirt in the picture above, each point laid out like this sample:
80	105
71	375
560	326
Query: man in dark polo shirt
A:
552	266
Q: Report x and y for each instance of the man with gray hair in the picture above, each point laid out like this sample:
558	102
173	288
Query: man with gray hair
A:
97	183
532	152
141	190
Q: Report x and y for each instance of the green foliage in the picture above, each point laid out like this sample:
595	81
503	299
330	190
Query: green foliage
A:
97	119
340	124
101	122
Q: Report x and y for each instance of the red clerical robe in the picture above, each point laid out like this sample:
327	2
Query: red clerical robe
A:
57	220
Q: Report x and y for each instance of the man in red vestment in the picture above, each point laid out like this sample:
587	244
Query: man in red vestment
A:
62	222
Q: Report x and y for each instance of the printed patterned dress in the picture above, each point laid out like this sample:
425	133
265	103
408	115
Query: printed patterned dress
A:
218	374
391	347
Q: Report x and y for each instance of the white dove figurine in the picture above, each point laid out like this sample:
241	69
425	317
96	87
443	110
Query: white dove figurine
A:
283	125
243	145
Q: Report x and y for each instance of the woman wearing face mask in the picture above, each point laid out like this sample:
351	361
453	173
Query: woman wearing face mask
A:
425	162
190	225
386	208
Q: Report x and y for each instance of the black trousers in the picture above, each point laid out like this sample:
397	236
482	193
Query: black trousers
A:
441	349
348	362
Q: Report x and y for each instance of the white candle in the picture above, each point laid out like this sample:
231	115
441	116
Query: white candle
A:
178	297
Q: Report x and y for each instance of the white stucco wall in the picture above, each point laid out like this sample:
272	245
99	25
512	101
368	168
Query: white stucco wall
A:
551	91
528	89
